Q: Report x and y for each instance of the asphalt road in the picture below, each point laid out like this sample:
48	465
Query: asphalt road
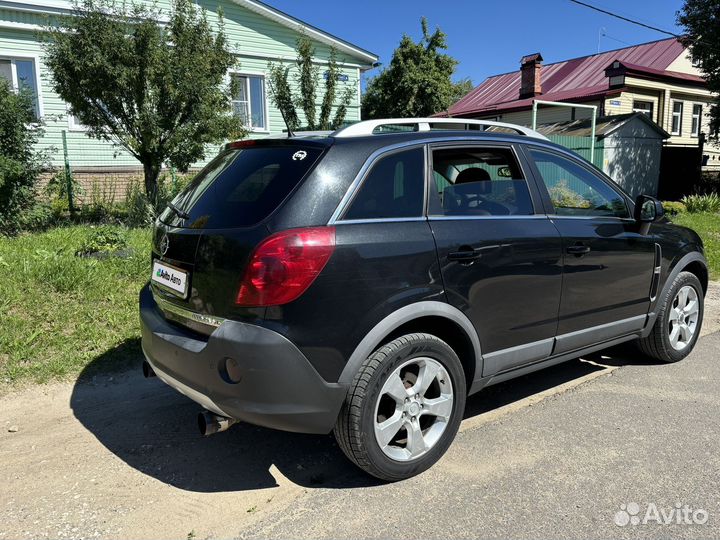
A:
644	434
553	455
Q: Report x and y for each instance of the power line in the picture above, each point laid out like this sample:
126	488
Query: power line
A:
616	39
626	19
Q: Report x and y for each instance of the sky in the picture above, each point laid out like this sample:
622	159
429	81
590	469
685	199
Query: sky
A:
488	37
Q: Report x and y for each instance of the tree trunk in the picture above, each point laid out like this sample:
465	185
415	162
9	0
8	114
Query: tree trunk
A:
152	173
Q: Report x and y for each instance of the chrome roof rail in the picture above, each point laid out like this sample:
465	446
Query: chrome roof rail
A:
368	127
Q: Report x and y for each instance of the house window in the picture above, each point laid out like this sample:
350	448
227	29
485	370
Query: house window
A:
645	107
249	101
696	116
677	118
21	74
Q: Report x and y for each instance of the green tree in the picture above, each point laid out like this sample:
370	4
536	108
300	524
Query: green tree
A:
20	165
461	89
416	83
700	20
307	79
157	90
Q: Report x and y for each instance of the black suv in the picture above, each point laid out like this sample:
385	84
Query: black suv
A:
367	281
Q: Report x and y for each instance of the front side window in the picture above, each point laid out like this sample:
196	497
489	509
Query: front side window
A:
394	188
574	190
696	119
249	101
476	181
677	118
20	74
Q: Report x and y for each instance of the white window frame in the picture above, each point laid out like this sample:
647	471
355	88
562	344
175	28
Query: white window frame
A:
261	75
35	59
696	128
679	115
644	111
73	123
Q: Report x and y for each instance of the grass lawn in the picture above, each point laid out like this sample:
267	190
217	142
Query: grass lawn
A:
61	313
707	225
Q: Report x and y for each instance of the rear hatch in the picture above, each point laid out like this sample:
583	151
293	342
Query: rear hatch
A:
204	238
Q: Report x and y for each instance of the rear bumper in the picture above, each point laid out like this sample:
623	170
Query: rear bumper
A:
277	388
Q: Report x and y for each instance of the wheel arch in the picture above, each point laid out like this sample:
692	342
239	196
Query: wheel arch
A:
700	269
693	262
439	319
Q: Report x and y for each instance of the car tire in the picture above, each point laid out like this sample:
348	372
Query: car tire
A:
678	324
414	385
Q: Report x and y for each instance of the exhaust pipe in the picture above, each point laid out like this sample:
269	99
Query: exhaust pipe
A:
210	423
147	370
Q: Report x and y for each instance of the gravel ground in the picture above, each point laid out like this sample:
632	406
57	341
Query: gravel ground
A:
553	454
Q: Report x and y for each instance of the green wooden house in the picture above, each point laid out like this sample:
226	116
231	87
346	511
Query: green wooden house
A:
258	33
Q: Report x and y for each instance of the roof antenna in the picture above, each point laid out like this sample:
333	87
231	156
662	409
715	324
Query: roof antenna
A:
289	131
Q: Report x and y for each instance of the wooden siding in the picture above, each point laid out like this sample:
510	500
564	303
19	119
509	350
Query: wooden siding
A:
255	39
546	115
626	100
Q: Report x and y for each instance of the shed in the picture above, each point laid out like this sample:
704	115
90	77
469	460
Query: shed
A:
628	148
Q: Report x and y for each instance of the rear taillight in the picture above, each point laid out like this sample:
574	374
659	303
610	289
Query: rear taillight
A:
284	265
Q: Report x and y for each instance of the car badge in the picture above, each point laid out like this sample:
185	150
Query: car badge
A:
164	244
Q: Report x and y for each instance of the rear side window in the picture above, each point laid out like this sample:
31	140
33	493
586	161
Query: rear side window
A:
394	188
478	181
242	186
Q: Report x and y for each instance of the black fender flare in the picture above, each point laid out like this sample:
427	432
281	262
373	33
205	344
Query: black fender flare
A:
373	339
679	266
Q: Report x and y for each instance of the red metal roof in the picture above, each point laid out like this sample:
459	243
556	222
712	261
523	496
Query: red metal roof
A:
576	79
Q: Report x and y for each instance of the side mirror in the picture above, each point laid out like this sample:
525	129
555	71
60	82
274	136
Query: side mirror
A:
647	210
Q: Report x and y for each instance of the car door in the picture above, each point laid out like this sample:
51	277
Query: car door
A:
500	260
607	264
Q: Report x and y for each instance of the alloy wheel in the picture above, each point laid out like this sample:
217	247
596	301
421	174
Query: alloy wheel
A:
683	317
413	409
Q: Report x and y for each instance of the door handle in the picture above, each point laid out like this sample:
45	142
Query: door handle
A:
578	250
464	255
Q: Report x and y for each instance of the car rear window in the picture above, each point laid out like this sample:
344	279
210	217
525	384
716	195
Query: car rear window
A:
241	186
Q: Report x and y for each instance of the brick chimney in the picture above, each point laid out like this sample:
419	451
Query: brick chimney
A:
530	78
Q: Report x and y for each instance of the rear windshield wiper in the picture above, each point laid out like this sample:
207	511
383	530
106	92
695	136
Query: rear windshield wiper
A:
179	213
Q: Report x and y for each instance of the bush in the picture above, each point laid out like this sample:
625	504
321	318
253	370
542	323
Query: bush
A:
702	203
673	208
139	210
20	165
709	183
171	186
37	218
57	187
103	239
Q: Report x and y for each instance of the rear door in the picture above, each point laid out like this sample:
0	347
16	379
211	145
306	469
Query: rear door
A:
608	266
500	259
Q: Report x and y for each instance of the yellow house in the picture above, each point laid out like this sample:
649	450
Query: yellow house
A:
657	79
